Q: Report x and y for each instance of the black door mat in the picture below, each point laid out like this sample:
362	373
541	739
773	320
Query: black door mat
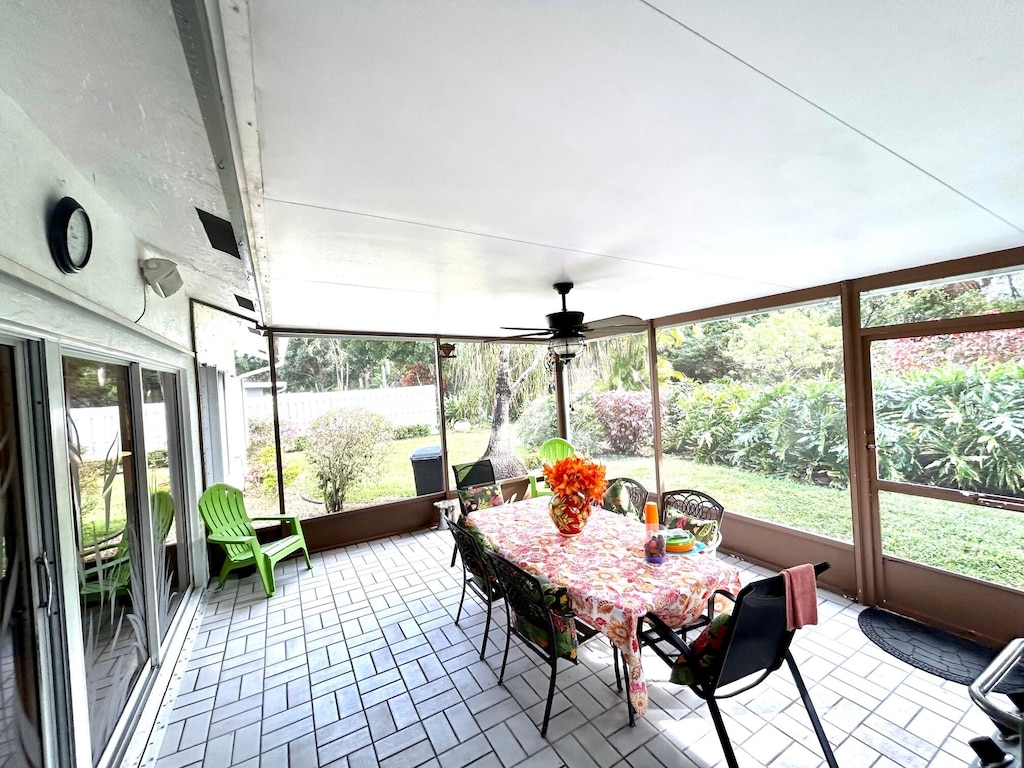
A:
941	653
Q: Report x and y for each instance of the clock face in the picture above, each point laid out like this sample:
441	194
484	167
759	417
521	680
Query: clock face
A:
78	236
69	233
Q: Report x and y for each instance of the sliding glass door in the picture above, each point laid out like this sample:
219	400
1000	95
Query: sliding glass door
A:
21	741
165	486
101	436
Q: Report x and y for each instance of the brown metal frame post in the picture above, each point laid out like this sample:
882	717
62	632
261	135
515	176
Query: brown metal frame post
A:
441	426
561	407
272	358
195	378
863	502
652	365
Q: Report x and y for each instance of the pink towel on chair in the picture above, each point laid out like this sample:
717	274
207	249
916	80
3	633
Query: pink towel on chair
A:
801	596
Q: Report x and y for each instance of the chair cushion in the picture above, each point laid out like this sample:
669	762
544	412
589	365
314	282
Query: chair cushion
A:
467	525
705	649
480	497
702	530
617	499
566	641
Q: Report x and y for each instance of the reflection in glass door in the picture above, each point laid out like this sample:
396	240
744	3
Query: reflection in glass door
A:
20	736
166	494
111	587
949	435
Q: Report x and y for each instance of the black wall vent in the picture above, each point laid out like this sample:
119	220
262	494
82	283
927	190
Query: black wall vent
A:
245	303
220	233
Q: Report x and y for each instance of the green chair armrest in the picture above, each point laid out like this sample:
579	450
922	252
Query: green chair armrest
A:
292	520
230	539
104	566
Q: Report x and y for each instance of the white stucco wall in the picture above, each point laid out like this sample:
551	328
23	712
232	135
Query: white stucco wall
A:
92	312
33	176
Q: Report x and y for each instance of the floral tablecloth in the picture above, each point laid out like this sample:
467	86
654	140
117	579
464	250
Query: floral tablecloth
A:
610	585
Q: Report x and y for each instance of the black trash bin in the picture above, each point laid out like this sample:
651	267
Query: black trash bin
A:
426	470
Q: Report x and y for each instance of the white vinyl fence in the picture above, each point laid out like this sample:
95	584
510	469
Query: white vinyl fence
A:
402	406
97	428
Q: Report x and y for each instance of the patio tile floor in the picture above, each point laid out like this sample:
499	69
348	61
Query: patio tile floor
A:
358	663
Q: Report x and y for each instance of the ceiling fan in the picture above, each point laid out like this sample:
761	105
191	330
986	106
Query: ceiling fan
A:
565	329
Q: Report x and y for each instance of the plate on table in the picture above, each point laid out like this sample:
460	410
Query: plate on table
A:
699	546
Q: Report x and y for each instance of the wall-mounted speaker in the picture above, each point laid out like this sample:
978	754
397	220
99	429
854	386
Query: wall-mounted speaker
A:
162	275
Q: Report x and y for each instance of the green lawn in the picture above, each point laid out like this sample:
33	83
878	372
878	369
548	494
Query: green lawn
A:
974	541
94	523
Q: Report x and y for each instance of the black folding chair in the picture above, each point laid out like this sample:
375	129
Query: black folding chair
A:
755	644
473	473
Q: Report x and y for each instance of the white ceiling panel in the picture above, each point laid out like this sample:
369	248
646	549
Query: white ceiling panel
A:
663	156
449	283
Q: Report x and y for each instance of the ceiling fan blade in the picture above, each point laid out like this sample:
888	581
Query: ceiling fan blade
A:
538	335
623	322
517	328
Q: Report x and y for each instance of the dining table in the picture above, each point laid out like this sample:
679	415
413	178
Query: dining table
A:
609	584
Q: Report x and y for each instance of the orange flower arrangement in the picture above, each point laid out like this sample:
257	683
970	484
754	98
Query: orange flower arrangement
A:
576	478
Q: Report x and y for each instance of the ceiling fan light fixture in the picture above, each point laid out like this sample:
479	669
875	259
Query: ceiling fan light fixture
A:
566	347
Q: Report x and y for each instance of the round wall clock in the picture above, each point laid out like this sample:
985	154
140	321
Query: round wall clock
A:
70	235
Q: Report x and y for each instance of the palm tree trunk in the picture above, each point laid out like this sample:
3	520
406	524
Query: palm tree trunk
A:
499	446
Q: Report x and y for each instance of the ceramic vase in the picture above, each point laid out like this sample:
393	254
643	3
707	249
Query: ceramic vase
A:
569	514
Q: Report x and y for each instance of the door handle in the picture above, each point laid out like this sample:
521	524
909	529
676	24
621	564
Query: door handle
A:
43	567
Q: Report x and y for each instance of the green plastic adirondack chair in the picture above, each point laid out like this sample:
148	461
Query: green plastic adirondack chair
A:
114	576
222	508
551	451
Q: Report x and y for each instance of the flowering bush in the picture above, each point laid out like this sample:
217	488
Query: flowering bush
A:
346	446
575	476
627	421
958	349
261	435
416	375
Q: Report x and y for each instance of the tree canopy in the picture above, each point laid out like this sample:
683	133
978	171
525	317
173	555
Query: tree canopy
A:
325	364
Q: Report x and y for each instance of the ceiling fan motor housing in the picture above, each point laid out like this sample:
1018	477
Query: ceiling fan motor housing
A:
562	322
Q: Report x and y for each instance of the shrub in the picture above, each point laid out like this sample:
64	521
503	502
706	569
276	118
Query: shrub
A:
157	457
346	446
469	404
529	457
413	430
702	420
795	430
263	476
954	427
626	420
538	423
957	428
261	434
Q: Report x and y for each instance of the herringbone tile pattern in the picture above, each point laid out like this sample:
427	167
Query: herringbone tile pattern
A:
359	663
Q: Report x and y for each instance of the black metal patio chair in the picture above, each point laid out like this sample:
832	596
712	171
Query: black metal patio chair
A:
637	495
467	475
540	616
751	644
476	576
698	509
